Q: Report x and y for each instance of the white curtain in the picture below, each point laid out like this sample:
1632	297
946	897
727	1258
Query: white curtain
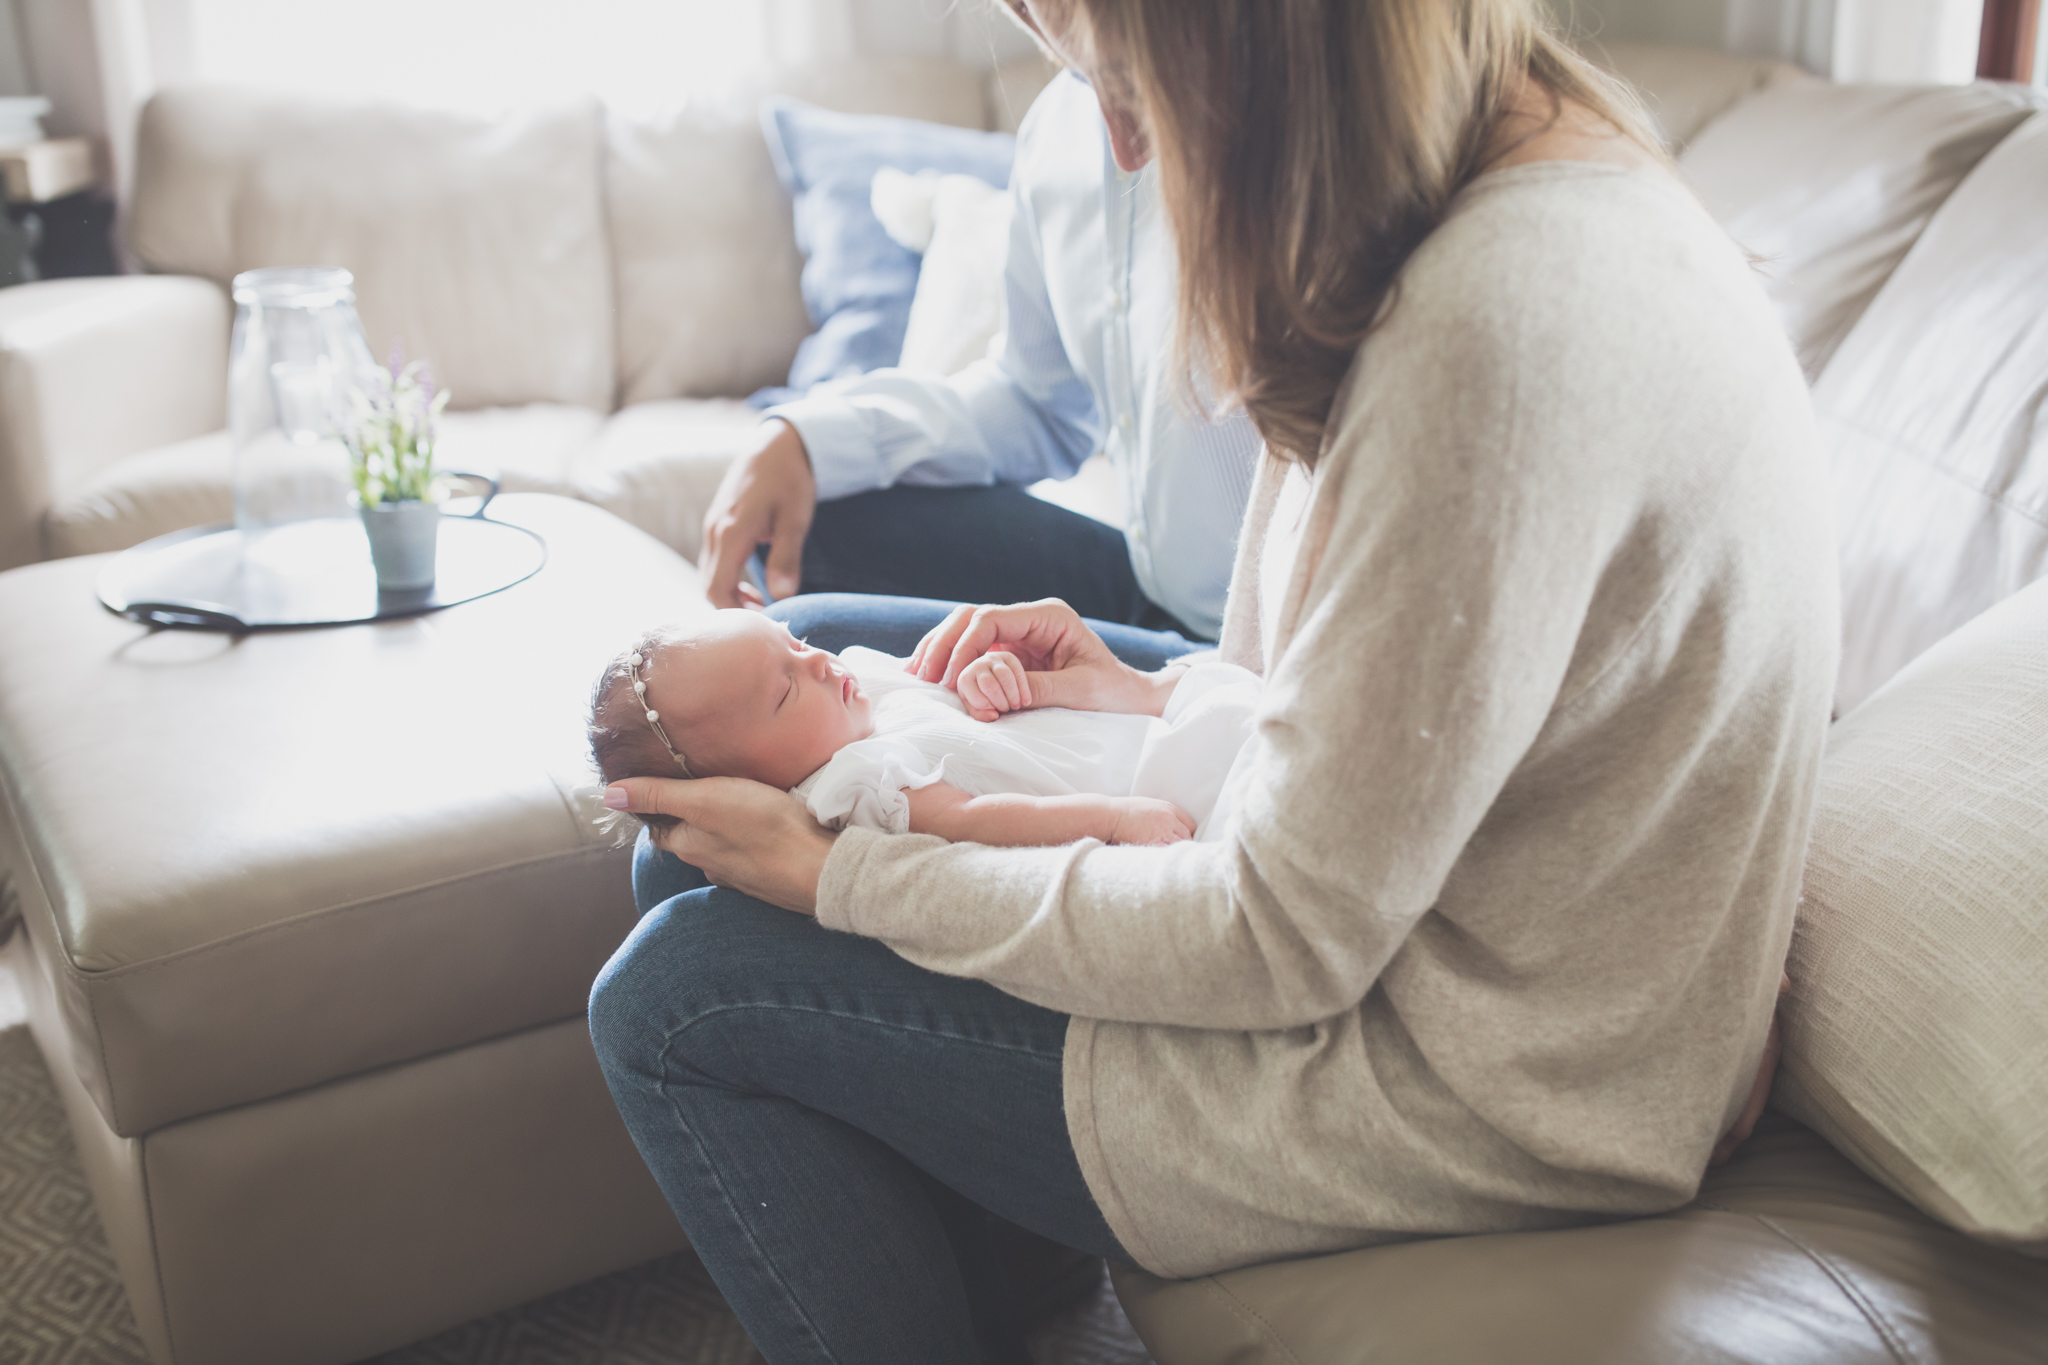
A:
800	32
977	32
1908	40
1862	40
1797	31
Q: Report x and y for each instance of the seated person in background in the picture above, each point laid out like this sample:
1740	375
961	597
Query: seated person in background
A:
911	487
862	740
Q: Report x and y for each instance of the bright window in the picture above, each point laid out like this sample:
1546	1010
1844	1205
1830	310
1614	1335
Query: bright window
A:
483	54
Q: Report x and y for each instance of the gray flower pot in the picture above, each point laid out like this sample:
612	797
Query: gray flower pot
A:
402	540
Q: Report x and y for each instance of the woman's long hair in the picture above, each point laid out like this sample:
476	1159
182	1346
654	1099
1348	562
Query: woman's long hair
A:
1306	147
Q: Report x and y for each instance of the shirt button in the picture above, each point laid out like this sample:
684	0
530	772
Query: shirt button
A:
1116	300
1124	421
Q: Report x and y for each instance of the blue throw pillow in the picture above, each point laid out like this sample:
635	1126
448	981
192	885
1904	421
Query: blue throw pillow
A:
857	281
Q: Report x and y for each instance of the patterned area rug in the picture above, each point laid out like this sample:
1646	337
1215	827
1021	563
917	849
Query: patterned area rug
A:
61	1301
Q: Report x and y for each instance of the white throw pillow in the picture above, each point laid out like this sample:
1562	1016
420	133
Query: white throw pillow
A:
962	225
1917	1027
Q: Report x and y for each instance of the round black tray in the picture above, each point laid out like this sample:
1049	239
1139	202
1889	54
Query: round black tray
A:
305	573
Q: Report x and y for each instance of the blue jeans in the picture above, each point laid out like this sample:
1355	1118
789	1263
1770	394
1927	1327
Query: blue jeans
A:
828	1122
894	625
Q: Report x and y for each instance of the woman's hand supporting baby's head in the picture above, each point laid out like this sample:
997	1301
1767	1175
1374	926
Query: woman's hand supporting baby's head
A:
740	834
734	694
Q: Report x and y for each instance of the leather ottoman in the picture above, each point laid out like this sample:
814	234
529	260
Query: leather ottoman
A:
311	918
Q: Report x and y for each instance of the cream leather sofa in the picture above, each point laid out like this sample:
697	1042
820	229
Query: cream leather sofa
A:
322	1049
597	292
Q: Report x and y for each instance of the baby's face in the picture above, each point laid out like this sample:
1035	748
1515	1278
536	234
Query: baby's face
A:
753	701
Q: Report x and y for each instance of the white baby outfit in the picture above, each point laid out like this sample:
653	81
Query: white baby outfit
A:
924	735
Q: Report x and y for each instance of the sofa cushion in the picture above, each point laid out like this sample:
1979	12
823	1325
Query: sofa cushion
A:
959	226
701	233
657	465
1935	412
531	449
1829	185
141	496
480	243
857	283
1686	88
1917	1026
706	257
258	864
1790	1256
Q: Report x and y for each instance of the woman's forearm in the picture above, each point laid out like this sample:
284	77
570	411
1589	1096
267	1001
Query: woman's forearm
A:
1011	821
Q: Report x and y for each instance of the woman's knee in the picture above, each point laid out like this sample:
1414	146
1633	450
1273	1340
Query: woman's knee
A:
692	954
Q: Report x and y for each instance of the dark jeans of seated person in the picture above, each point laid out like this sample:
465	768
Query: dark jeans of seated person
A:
984	544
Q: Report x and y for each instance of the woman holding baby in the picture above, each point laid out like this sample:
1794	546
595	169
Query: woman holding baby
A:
1537	577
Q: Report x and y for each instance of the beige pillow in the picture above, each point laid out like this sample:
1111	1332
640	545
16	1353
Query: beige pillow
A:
961	226
1917	1027
1830	186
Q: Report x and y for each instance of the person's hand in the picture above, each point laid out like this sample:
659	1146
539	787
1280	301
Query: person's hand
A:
994	683
1759	1089
768	495
1141	820
1064	662
743	835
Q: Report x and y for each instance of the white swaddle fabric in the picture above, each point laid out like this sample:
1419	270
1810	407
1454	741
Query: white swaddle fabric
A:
1195	748
924	735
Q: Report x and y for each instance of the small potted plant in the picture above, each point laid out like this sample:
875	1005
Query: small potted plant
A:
390	437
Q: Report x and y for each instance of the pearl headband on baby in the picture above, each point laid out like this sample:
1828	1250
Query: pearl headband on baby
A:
634	661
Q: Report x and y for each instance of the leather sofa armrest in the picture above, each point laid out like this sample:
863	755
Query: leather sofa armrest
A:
92	370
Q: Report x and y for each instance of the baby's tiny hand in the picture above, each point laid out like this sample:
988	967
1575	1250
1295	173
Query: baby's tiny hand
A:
1142	820
993	684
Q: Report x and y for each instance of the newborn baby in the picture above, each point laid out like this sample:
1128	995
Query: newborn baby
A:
862	742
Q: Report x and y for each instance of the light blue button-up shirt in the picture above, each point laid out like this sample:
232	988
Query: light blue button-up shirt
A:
1086	364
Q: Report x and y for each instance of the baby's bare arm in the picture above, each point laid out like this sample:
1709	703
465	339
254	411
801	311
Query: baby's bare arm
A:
1024	821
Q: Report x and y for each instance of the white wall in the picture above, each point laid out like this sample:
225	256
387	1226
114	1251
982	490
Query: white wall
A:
1697	23
62	58
972	31
1851	40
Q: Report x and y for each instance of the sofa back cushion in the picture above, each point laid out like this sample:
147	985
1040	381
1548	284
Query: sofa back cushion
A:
1917	1028
479	243
1935	414
702	235
1830	185
1686	88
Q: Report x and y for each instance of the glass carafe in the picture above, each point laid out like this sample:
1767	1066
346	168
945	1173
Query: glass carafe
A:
297	353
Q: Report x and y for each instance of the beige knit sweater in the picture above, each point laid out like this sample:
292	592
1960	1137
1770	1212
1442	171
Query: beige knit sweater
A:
1496	944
